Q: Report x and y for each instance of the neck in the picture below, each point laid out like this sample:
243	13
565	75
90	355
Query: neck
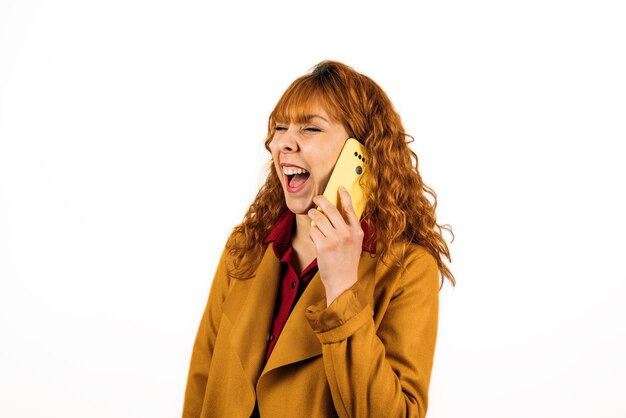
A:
301	242
303	226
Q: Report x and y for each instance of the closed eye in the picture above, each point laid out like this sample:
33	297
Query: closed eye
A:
312	129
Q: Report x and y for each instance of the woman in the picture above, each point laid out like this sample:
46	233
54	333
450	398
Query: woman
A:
336	319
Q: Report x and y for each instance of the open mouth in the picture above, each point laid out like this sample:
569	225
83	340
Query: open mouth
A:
294	181
295	177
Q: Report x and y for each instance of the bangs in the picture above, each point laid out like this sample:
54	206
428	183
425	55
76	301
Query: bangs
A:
299	101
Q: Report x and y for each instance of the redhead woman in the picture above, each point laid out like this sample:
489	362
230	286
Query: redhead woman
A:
338	319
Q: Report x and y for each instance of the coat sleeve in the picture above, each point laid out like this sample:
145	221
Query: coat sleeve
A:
205	342
382	372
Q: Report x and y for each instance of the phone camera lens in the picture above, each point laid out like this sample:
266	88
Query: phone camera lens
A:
359	170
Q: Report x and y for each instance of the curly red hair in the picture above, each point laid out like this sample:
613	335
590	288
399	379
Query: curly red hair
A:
398	208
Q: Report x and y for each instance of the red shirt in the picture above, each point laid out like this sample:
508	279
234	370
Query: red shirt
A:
292	284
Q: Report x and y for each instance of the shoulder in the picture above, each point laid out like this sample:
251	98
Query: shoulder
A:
418	268
420	273
410	255
418	255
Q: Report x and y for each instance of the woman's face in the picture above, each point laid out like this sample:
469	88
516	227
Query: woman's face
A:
304	155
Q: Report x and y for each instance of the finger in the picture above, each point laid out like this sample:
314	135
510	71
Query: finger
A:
330	211
321	222
346	202
316	236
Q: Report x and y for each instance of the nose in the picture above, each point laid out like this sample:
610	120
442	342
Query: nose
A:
286	141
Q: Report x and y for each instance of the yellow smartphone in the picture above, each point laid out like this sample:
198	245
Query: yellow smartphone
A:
348	170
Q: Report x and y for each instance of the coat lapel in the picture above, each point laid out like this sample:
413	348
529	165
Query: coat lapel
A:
297	341
250	308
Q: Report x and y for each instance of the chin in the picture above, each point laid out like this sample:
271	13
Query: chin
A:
300	206
300	209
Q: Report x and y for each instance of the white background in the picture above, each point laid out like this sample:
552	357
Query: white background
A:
131	143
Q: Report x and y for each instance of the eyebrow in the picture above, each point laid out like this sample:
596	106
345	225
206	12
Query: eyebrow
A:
306	118
309	117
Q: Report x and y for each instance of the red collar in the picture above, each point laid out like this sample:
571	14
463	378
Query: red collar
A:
281	232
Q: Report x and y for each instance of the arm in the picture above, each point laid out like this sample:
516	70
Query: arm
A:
205	342
382	372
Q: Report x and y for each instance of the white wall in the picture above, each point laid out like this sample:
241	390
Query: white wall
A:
131	142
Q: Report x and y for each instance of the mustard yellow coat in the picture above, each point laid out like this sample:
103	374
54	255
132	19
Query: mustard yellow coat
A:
369	354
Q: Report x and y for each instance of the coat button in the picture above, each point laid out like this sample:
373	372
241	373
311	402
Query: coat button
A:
293	284
271	337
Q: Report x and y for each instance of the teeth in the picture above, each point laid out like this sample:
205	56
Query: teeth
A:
291	170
